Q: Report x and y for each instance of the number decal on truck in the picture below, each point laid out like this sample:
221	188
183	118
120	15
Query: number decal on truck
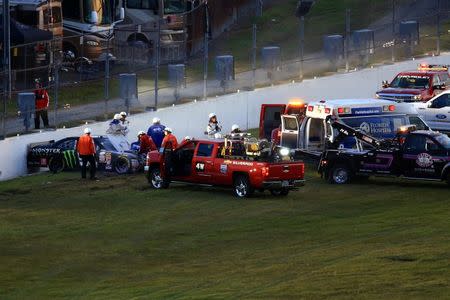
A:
200	167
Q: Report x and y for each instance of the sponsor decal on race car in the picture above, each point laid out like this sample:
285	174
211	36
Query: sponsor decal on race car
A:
108	159
70	158
41	151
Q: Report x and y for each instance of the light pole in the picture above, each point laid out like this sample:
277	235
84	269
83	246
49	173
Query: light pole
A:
303	8
6	62
206	50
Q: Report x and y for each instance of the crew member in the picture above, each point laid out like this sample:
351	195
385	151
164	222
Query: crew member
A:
156	132
169	141
213	126
235	129
123	118
41	105
116	127
86	151
146	143
275	136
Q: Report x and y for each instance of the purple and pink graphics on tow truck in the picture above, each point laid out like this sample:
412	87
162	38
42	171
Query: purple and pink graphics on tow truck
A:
420	154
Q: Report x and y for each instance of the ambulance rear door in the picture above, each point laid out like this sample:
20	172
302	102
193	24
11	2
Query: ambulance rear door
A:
289	131
270	119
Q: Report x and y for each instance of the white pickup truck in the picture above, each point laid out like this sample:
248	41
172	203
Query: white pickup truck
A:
436	111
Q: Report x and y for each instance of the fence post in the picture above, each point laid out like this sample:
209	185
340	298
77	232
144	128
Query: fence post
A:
393	32
347	38
438	28
157	58
6	63
205	67
56	87
106	79
254	57
302	46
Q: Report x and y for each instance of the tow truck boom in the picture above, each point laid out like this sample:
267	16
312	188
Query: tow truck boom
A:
347	131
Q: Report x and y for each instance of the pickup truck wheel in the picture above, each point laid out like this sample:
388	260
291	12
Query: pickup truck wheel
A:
280	192
242	187
155	179
339	174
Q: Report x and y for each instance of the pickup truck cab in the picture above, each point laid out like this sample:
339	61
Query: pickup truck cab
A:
421	154
239	163
421	85
436	112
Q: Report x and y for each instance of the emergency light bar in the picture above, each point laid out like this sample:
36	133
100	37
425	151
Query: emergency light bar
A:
389	108
427	67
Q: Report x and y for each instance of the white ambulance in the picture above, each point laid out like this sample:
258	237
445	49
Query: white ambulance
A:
379	118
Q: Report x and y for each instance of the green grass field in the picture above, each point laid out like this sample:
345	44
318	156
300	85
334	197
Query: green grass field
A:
61	237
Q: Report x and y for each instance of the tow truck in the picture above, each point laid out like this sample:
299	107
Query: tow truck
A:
380	118
237	161
420	85
412	154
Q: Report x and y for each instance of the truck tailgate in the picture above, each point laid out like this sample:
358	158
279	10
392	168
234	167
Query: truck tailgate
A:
286	171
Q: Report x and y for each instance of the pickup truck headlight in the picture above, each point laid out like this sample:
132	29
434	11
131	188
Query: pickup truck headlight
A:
93	43
377	96
417	97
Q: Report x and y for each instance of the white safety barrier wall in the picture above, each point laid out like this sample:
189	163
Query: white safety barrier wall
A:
240	108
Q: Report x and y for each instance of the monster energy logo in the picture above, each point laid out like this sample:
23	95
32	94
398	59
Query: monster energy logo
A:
70	159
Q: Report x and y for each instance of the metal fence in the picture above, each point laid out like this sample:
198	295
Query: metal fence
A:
84	85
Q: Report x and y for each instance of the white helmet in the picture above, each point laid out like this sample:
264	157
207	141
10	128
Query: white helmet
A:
123	114
156	120
117	117
217	136
187	138
168	129
234	127
141	133
87	130
212	115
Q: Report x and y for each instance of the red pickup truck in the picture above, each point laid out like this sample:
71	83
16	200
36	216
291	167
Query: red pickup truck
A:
421	85
244	164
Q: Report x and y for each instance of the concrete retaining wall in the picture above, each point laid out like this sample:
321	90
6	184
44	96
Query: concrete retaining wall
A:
240	108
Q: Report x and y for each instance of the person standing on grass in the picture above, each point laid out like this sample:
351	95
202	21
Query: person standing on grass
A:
156	132
42	101
86	151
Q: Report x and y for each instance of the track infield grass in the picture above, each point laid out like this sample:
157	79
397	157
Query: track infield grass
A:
61	237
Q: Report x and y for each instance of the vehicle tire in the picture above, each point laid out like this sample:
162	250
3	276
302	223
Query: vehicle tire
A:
242	187
56	164
339	174
280	192
122	165
155	179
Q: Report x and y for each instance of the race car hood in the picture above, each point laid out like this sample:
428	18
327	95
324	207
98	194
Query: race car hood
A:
398	91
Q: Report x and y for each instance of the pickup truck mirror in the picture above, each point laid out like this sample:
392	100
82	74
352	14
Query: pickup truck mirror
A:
384	84
430	104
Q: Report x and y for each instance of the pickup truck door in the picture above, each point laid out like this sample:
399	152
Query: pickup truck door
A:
437	112
420	157
203	163
289	131
270	118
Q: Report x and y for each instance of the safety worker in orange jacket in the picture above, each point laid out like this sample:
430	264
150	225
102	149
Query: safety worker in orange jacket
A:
86	151
146	143
41	105
169	141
